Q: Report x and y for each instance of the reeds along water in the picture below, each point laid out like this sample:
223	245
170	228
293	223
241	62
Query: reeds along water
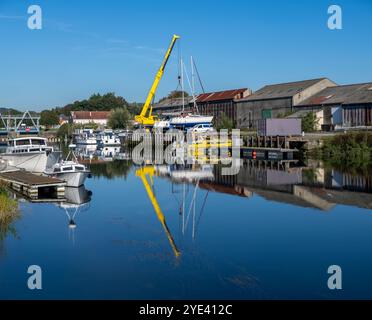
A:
8	212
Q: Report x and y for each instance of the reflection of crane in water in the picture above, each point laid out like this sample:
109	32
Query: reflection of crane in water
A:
150	172
188	175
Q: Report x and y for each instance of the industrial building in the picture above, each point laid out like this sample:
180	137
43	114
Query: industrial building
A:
221	103
343	107
276	101
86	117
336	107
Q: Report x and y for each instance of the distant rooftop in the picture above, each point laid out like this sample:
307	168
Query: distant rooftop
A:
223	95
347	94
282	90
173	102
90	115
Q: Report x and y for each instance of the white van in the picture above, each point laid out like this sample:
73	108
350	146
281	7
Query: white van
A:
202	128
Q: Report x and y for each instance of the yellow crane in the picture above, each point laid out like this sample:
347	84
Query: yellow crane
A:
150	171
146	118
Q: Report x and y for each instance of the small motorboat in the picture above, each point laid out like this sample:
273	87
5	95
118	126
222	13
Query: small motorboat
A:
70	171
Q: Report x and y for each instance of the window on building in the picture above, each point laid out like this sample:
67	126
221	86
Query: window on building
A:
266	114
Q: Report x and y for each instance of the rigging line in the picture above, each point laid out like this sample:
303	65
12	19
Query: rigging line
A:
201	211
192	202
189	83
197	73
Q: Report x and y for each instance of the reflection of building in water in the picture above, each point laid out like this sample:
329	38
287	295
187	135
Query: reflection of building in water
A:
301	186
77	200
341	180
271	180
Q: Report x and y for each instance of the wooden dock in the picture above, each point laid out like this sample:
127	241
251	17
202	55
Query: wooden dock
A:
35	187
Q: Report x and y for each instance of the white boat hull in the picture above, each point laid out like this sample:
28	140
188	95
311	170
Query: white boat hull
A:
72	179
190	121
86	143
31	161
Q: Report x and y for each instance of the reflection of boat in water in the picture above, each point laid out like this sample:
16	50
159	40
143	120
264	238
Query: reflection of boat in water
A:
29	153
78	200
108	153
187	172
86	152
76	197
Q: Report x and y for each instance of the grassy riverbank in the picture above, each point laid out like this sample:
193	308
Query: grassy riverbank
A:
8	213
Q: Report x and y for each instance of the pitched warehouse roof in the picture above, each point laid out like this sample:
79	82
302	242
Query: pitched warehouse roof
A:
347	94
282	90
172	102
223	95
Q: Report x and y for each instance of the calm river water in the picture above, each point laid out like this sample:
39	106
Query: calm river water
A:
270	232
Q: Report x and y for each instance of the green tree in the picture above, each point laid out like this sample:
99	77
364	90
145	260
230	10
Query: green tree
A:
96	102
225	123
119	118
174	95
65	130
49	118
310	122
135	108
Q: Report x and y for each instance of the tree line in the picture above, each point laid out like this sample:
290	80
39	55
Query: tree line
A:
122	111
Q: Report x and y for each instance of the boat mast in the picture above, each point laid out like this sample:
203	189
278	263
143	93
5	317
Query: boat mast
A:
193	85
182	88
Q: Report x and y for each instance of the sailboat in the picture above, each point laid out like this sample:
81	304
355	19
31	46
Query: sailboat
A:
185	120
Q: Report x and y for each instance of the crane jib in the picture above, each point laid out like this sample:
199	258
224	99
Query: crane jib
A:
168	55
148	119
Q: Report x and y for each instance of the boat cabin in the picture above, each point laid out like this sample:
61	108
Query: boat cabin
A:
28	145
68	166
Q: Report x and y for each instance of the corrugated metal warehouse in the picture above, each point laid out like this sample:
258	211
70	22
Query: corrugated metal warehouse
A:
223	102
347	106
276	101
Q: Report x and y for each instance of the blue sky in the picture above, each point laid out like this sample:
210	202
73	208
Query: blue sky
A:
100	46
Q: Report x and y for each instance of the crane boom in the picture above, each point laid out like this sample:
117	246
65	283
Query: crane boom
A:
150	171
143	118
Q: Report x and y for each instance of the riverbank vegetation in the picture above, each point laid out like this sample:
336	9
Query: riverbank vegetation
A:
119	118
9	213
310	122
348	152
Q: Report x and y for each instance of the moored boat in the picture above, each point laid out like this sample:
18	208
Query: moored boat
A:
108	138
27	153
86	137
70	171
